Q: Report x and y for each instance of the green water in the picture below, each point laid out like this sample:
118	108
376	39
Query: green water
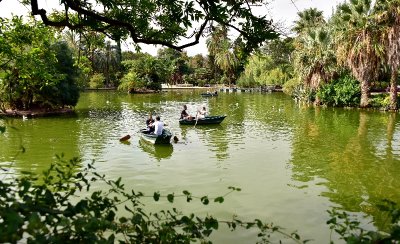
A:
292	162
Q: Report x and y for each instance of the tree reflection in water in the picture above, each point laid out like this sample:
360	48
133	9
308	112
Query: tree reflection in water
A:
359	169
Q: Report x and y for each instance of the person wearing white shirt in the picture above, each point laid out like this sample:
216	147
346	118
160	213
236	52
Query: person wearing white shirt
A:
202	113
158	126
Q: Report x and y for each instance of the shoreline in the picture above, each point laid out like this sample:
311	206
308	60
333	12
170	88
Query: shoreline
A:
35	113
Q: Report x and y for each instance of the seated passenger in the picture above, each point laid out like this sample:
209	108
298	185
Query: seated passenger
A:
149	123
184	114
202	113
158	126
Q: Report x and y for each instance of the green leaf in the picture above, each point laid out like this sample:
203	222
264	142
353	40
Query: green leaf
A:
219	199
156	196
2	129
170	198
110	216
136	219
123	220
205	200
211	223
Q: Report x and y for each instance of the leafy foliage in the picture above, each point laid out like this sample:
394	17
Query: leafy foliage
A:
161	22
46	210
149	72
350	231
221	49
344	91
131	82
39	72
96	81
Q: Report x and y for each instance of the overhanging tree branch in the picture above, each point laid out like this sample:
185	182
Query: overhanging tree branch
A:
140	21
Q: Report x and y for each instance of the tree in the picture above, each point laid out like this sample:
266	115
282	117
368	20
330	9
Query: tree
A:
256	71
144	72
220	47
308	19
281	52
314	58
358	43
388	18
162	22
37	70
107	61
175	63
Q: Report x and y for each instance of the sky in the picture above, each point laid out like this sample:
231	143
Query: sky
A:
281	11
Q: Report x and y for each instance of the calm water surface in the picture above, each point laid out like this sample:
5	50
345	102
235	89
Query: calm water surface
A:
293	163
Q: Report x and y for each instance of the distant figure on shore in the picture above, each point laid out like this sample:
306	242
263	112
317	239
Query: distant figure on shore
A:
184	113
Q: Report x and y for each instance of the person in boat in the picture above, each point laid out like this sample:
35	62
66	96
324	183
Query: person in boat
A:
158	126
184	113
202	113
149	123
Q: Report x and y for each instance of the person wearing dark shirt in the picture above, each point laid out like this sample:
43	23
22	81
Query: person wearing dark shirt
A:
149	123
184	113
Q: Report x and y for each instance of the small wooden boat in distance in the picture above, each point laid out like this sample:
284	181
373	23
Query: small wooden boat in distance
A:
208	120
164	138
209	94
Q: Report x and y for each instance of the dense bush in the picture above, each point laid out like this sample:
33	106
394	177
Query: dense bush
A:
149	72
97	81
131	82
342	92
381	101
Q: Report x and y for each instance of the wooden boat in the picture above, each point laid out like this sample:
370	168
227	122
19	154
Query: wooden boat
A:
209	94
208	120
164	138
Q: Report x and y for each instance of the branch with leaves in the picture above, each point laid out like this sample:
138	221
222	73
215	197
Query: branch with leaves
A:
162	22
62	207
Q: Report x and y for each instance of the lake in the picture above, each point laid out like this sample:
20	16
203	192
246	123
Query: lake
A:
293	162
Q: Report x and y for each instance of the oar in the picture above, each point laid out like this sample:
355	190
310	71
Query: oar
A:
197	118
125	138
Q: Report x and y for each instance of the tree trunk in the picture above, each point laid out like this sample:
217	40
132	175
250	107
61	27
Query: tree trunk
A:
393	90
364	94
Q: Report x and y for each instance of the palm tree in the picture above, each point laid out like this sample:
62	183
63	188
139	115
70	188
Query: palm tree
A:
106	61
314	57
220	47
388	17
358	43
308	19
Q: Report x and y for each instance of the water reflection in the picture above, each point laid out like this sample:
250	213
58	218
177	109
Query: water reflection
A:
354	154
290	160
40	144
158	152
215	137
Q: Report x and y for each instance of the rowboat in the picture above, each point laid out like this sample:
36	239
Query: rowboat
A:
164	138
208	94
208	120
